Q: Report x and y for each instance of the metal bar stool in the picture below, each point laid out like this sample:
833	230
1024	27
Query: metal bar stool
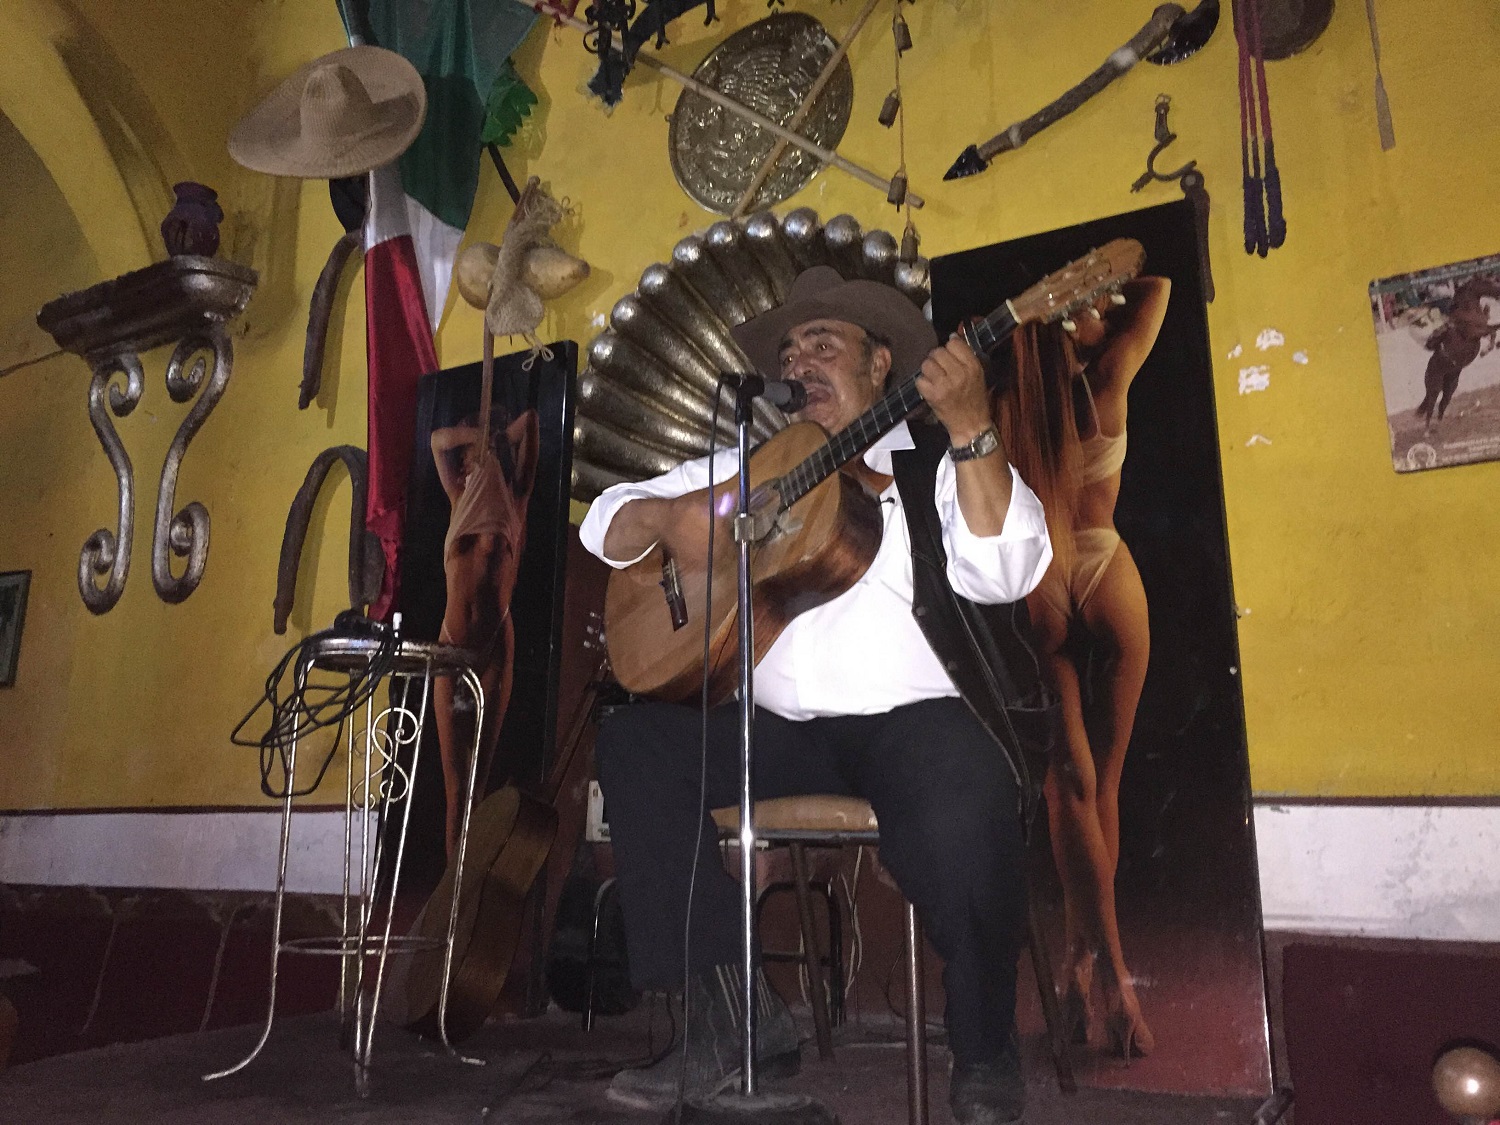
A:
377	789
824	821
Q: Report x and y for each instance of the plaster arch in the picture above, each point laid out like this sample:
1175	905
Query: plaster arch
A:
78	107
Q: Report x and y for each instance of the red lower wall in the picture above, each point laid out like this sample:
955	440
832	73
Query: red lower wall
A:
1364	1020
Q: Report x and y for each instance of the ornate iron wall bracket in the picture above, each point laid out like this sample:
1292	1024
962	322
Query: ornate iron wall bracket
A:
108	552
187	300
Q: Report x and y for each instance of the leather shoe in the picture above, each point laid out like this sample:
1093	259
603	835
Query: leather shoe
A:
711	1044
988	1093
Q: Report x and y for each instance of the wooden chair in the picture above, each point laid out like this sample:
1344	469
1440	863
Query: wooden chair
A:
829	821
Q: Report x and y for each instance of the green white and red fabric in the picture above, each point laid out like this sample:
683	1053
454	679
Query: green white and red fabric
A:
419	207
398	343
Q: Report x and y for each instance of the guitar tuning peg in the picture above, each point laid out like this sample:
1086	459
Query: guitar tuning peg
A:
1095	313
1069	325
1117	299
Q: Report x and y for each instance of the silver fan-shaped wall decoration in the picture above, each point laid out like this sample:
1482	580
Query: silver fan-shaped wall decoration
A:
646	396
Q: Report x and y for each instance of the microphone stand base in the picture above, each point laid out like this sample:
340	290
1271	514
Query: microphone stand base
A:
734	1108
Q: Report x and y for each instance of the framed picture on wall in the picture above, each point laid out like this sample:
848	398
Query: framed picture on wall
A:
1437	331
484	569
14	585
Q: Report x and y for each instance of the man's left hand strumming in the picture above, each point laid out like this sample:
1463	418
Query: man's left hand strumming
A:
952	384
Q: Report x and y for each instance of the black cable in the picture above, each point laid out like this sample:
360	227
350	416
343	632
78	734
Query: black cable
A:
935	1032
307	706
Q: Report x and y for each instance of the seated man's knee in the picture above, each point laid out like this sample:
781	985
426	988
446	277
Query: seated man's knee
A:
628	738
965	829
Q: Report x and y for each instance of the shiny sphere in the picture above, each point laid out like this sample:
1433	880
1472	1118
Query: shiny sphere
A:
1466	1081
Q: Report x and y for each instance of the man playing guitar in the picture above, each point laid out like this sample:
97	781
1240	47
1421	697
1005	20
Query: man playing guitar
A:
895	690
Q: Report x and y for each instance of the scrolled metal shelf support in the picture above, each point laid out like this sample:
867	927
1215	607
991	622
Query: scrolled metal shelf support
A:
186	301
185	533
107	552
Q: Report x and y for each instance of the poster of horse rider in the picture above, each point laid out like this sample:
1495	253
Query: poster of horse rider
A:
1437	330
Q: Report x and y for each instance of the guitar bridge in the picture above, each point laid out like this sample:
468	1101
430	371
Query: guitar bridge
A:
671	585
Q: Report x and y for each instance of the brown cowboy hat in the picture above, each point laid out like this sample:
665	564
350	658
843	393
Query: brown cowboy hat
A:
340	115
822	293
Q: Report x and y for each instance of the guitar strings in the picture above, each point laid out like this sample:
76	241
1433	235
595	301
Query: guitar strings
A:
843	446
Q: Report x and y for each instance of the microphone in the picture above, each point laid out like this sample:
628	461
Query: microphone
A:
788	394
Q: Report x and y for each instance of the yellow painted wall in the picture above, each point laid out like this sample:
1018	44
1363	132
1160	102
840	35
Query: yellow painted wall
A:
1371	601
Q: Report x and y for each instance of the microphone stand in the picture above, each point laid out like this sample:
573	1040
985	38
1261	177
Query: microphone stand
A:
743	538
748	1104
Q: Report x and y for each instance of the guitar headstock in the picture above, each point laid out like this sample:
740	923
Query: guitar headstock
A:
1069	291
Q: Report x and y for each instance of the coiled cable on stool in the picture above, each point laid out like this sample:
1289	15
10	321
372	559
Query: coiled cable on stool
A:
304	706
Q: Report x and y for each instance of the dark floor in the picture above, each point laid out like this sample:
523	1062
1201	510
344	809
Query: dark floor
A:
538	1070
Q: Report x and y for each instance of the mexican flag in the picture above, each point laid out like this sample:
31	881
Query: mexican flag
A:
418	209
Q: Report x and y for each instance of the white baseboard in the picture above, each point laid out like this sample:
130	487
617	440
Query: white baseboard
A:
188	850
1404	871
1380	870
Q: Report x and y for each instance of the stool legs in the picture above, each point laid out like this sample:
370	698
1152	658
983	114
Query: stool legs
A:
471	678
286	836
402	727
1057	1034
370	802
812	955
916	1022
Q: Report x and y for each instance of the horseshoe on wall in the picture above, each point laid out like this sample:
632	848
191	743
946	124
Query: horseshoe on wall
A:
366	563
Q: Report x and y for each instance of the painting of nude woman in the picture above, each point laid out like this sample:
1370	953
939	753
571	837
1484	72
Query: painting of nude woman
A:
482	570
488	479
1143	864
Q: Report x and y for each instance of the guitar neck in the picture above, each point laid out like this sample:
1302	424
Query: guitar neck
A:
582	715
893	408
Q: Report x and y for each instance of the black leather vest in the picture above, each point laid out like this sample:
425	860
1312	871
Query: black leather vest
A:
988	650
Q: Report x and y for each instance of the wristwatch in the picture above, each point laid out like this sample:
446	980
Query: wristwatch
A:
985	442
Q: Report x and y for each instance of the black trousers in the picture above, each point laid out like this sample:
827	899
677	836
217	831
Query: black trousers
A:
950	835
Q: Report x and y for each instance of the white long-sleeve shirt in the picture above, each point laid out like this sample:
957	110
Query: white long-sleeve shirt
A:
862	653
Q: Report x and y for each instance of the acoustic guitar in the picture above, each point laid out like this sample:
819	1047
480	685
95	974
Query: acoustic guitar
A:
815	529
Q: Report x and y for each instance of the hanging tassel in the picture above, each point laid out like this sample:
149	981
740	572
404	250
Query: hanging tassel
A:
1275	218
889	110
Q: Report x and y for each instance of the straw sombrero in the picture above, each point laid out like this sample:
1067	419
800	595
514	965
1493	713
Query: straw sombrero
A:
340	115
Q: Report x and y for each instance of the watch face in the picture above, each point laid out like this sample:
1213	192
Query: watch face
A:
983	444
